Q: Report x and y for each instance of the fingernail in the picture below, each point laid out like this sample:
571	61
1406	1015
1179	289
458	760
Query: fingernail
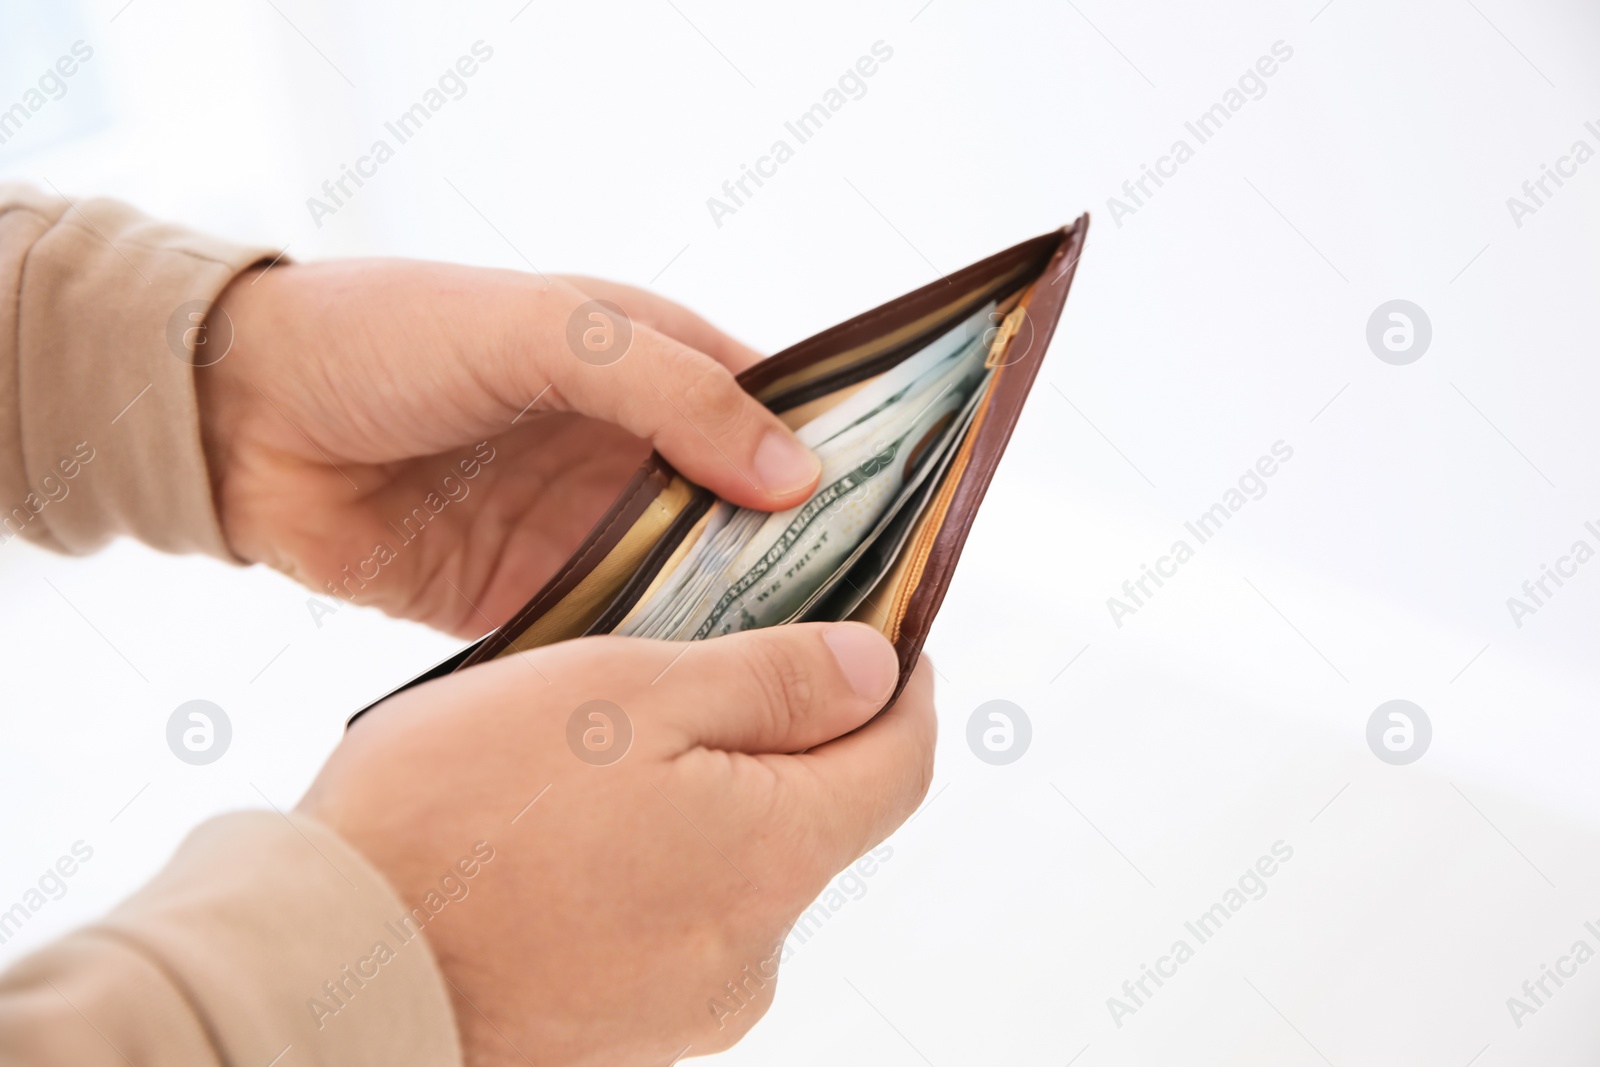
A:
783	464
866	658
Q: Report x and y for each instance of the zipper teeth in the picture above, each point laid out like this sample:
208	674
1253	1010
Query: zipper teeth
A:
935	520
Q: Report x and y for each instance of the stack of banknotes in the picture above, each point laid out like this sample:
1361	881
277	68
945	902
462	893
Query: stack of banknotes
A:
883	449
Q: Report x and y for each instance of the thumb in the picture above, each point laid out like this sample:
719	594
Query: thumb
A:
595	359
693	411
779	689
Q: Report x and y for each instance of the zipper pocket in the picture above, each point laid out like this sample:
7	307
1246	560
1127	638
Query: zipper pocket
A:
933	521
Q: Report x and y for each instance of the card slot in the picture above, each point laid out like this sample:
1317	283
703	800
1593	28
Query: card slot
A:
586	596
651	566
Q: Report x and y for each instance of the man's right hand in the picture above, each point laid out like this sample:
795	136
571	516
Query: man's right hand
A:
618	906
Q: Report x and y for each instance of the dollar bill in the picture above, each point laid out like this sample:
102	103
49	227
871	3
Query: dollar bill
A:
749	568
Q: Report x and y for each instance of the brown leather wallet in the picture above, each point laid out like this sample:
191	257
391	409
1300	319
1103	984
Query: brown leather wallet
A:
913	566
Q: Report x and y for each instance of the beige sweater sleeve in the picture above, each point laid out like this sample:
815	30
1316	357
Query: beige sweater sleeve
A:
100	338
267	940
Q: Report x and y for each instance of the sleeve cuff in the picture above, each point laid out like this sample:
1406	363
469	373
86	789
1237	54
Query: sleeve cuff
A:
280	935
109	307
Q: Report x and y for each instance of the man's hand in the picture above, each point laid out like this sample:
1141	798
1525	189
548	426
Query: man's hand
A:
620	903
354	389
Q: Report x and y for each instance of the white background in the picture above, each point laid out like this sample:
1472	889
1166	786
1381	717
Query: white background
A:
1226	314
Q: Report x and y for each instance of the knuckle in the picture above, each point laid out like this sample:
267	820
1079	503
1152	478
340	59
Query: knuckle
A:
785	688
711	396
739	978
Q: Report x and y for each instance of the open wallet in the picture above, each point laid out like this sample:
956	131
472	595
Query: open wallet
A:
909	405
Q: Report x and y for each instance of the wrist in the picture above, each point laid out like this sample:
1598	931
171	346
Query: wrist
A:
226	396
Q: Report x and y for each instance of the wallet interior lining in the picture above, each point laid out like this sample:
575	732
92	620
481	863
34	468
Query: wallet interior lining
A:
608	593
877	355
679	551
577	611
800	414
